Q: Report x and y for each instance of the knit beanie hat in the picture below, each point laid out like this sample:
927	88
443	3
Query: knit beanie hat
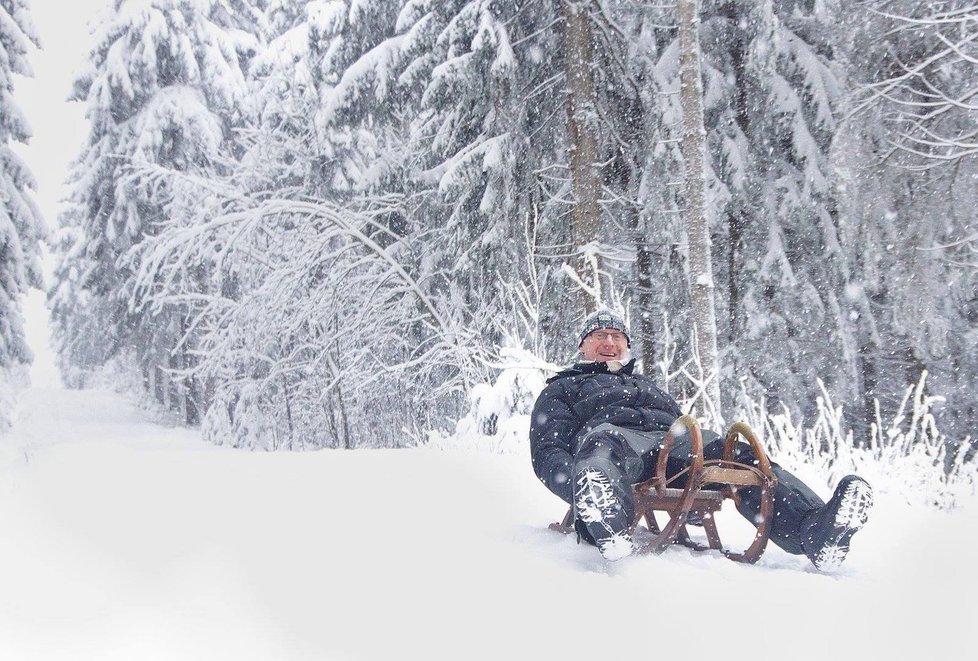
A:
603	318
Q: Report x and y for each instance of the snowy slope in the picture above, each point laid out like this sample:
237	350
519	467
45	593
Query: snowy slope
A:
125	539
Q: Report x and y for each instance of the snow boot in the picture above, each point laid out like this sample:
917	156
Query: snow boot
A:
826	531
604	509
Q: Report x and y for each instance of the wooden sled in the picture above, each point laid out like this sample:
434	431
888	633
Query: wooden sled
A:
709	484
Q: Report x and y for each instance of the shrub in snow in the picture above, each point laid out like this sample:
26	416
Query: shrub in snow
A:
499	413
12	380
907	455
217	426
240	421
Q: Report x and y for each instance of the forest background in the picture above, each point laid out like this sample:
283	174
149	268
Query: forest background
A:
335	223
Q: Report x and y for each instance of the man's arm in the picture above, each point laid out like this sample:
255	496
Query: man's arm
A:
553	427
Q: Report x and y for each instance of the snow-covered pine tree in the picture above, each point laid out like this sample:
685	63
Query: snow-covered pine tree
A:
21	226
907	200
163	89
491	136
770	101
531	116
630	127
469	150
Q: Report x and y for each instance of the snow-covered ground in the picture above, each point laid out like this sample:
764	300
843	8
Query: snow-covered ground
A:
127	539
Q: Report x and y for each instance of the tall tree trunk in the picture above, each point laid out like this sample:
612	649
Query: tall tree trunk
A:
582	124
738	214
693	148
867	355
646	303
735	221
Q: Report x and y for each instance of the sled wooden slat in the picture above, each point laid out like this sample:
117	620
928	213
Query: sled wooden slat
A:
732	476
673	497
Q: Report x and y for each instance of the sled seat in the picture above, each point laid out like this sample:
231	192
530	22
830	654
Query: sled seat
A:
708	484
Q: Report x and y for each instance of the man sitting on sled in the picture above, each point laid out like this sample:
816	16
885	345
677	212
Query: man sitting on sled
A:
596	429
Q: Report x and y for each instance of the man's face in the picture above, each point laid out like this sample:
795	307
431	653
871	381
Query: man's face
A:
603	345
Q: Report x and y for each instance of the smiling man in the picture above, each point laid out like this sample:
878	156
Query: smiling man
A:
596	429
605	345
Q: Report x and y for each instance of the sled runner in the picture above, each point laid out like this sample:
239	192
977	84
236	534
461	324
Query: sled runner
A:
708	483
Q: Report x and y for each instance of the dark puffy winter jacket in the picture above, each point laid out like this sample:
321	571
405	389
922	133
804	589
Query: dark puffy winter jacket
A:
579	399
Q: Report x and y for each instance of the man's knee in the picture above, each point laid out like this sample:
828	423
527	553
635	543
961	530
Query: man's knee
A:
608	445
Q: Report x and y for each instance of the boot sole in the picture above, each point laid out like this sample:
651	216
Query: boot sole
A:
853	512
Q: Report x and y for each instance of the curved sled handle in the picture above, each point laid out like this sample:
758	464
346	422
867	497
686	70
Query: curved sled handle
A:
743	429
696	439
678	511
766	514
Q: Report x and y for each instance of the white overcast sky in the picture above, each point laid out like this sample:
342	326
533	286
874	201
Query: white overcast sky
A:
58	126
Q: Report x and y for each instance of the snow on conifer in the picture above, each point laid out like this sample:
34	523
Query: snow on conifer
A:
21	226
163	88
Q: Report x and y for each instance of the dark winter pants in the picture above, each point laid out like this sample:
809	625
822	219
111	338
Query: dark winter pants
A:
629	457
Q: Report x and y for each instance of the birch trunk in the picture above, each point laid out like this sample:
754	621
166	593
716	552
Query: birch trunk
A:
693	146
